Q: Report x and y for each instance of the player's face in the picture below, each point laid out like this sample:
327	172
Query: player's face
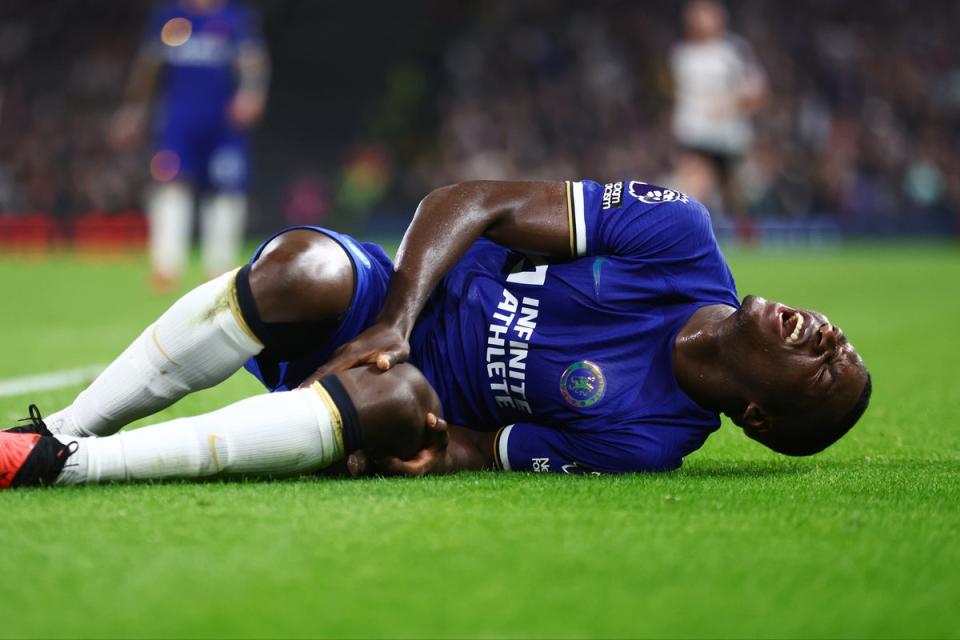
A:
794	362
704	19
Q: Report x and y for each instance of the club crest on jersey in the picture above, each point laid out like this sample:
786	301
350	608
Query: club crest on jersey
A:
583	384
652	194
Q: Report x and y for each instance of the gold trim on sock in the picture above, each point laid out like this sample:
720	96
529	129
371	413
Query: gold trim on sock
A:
156	341
235	308
335	420
212	445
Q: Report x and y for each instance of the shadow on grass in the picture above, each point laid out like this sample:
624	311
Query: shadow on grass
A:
945	464
747	469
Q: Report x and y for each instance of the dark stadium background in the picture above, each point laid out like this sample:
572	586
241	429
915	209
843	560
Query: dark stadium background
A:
374	103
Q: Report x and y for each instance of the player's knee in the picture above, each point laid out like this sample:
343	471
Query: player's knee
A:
392	407
302	276
411	398
414	394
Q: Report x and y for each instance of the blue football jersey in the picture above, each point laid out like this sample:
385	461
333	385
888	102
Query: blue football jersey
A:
571	359
199	50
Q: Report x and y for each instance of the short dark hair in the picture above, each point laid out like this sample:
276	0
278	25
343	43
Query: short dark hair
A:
806	442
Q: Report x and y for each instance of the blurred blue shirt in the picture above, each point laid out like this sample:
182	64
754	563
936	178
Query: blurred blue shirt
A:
199	50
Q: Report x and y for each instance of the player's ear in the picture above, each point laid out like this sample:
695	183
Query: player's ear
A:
755	419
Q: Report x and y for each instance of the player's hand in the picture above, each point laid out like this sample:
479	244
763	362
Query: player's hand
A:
246	109
380	344
430	459
127	126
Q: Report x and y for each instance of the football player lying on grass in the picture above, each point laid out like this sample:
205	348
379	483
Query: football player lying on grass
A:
556	326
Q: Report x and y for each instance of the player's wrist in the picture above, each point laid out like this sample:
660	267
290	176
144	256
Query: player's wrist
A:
399	318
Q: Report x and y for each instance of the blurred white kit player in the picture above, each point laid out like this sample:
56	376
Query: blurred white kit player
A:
209	62
718	85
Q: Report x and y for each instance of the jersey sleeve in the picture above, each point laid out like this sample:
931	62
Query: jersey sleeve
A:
635	219
533	447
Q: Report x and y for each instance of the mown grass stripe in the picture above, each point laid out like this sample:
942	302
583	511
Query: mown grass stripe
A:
47	381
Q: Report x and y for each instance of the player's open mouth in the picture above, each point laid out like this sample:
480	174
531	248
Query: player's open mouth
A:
793	322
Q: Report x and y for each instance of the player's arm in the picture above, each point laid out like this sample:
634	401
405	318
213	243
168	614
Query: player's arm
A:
526	216
460	449
249	102
464	450
540	449
533	217
129	123
252	66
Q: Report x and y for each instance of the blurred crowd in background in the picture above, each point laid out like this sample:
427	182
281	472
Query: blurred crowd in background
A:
861	123
862	119
63	73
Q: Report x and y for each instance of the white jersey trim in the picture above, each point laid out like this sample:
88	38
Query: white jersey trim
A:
503	451
579	222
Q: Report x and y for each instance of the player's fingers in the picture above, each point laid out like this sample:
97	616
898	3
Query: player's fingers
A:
419	465
350	355
387	358
436	423
437	434
330	366
357	464
341	360
397	467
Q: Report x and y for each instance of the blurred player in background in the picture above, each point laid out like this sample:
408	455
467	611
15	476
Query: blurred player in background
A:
206	64
718	85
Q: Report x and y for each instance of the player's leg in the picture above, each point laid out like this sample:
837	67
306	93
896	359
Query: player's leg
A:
198	342
272	434
170	201
223	212
292	296
223	216
170	213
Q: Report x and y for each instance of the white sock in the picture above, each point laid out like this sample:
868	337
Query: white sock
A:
272	434
198	342
223	216
170	209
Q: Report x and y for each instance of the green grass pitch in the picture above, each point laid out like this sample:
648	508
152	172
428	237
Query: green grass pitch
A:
862	541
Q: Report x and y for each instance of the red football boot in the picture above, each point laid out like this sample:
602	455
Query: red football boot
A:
30	459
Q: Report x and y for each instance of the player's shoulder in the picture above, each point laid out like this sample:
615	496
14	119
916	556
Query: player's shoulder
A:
667	440
635	218
647	198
